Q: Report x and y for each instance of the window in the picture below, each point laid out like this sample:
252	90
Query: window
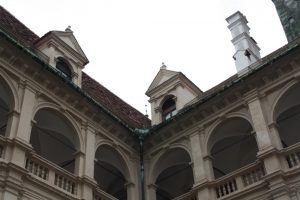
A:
62	66
168	109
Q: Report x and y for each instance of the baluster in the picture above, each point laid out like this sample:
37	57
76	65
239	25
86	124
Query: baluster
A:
55	180
217	192
296	158
293	160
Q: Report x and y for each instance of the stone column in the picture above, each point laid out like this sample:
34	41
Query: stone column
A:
151	192
23	130
267	151
201	171
86	164
26	112
90	150
130	191
197	157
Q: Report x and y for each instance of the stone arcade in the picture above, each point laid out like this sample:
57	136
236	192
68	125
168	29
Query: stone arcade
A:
65	136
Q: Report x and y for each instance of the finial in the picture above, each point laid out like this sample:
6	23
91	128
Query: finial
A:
68	29
146	111
163	66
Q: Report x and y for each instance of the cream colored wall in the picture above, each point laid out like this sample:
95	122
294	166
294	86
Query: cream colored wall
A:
29	97
258	107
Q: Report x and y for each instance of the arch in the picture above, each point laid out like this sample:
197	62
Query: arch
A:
64	113
127	172
286	115
171	166
111	171
279	97
219	122
64	67
6	105
231	145
54	137
13	92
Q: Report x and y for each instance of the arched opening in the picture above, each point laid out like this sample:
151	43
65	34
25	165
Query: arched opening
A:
109	171
5	106
64	67
54	138
232	146
288	117
168	108
175	175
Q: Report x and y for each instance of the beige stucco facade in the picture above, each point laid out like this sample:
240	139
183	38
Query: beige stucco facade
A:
237	141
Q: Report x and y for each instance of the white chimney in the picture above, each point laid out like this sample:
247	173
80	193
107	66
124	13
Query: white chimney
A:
247	51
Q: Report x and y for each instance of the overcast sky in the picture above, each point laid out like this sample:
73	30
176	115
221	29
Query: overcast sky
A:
127	40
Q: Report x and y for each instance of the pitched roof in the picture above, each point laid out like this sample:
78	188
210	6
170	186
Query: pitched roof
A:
125	112
15	28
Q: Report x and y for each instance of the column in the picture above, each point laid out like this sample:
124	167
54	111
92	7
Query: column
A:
86	164
198	164
267	151
23	130
151	194
202	172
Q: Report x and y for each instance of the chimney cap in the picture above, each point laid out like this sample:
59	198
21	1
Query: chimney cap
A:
235	17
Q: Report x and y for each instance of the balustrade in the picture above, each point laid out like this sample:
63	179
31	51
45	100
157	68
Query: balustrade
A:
239	180
101	195
292	155
187	196
52	174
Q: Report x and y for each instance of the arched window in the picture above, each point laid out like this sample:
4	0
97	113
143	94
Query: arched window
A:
109	172
64	67
288	117
5	106
175	176
53	138
232	146
168	108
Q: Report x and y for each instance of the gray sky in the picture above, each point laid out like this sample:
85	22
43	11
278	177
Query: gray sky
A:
127	40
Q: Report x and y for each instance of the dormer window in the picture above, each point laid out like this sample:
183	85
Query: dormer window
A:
168	108
64	68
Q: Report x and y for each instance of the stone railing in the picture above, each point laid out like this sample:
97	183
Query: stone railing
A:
51	174
292	155
101	195
239	180
187	196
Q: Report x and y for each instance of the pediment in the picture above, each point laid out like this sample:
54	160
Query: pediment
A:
162	76
69	38
66	40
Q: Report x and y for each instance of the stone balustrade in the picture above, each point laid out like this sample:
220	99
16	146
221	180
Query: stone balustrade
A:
292	155
192	195
101	195
52	174
239	180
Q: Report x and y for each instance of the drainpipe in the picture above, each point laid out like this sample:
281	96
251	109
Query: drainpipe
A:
142	133
142	171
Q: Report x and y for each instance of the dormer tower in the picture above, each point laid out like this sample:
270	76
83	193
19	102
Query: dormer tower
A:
247	51
62	51
169	92
289	14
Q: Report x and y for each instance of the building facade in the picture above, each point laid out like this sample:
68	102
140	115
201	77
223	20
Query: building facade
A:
65	136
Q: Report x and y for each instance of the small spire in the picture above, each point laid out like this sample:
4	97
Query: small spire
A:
68	29
146	111
163	66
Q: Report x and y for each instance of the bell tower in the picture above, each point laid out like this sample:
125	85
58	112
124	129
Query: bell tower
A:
289	14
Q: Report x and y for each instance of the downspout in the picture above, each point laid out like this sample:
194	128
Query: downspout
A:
142	171
142	133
